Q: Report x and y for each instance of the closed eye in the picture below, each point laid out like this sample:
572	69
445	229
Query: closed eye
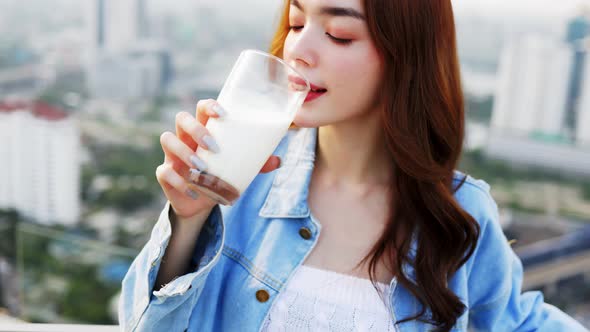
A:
339	41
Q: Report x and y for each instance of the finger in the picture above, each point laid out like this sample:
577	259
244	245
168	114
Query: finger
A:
170	181
182	134
180	167
168	156
271	164
186	124
209	108
175	148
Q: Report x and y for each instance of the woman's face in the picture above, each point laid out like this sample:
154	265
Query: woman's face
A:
329	43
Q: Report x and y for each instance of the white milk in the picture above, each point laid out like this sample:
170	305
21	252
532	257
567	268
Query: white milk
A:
246	138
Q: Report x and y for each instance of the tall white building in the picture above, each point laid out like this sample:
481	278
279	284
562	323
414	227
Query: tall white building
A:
115	24
40	168
583	121
532	87
123	63
541	115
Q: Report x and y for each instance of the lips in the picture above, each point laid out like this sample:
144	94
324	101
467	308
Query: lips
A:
315	92
301	82
311	95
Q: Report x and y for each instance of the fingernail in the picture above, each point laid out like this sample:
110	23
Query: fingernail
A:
211	143
192	194
199	164
280	163
194	174
219	110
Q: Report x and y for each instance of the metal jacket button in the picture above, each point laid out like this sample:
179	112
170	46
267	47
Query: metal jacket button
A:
305	233
262	296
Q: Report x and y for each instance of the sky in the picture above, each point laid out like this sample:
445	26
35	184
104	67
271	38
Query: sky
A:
531	8
544	8
493	8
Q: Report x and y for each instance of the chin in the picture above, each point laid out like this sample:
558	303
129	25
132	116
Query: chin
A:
307	121
304	119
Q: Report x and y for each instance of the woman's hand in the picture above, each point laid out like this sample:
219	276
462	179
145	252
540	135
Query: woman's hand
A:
180	158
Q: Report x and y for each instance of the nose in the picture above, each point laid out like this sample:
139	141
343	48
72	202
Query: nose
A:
300	50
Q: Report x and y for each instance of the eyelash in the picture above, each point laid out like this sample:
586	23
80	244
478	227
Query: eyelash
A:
336	40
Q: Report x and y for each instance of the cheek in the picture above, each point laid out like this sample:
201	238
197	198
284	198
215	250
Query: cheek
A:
358	75
345	67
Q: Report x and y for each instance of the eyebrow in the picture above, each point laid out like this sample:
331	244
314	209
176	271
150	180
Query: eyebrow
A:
334	11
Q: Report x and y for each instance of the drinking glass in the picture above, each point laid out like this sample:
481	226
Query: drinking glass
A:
261	97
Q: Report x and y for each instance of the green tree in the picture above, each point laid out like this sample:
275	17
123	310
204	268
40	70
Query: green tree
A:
586	191
8	221
87	298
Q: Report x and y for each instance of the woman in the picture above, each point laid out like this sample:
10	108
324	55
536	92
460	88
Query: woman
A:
366	225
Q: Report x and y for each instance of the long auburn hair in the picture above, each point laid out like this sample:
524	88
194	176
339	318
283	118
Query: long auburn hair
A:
423	122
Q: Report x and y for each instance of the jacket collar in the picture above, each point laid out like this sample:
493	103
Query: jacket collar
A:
288	194
287	197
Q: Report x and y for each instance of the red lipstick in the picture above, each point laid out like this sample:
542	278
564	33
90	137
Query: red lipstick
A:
315	92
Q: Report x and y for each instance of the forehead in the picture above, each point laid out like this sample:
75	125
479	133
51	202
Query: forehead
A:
356	4
332	8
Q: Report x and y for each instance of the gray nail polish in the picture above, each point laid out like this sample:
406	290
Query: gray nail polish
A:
194	171
199	164
192	194
219	110
211	143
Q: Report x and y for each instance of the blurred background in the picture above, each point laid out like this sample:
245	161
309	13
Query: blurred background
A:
87	87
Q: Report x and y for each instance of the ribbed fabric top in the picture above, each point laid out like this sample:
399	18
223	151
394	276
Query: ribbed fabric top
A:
321	300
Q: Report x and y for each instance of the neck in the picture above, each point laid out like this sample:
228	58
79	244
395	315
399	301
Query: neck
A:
354	152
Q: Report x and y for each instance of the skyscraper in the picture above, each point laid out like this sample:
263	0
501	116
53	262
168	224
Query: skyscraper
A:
115	69
578	29
542	103
532	87
583	114
40	168
114	24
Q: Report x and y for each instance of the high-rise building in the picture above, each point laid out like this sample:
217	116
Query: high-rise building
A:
578	29
124	63
532	87
40	168
542	104
583	114
115	24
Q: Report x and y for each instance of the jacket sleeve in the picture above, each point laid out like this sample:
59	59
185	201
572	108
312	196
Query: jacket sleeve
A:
496	301
168	309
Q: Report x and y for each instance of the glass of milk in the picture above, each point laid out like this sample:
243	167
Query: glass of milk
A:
261	96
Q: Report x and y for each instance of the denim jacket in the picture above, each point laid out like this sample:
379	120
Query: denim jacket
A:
246	254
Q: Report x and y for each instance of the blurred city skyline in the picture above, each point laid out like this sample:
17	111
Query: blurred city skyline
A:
530	8
533	8
109	76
